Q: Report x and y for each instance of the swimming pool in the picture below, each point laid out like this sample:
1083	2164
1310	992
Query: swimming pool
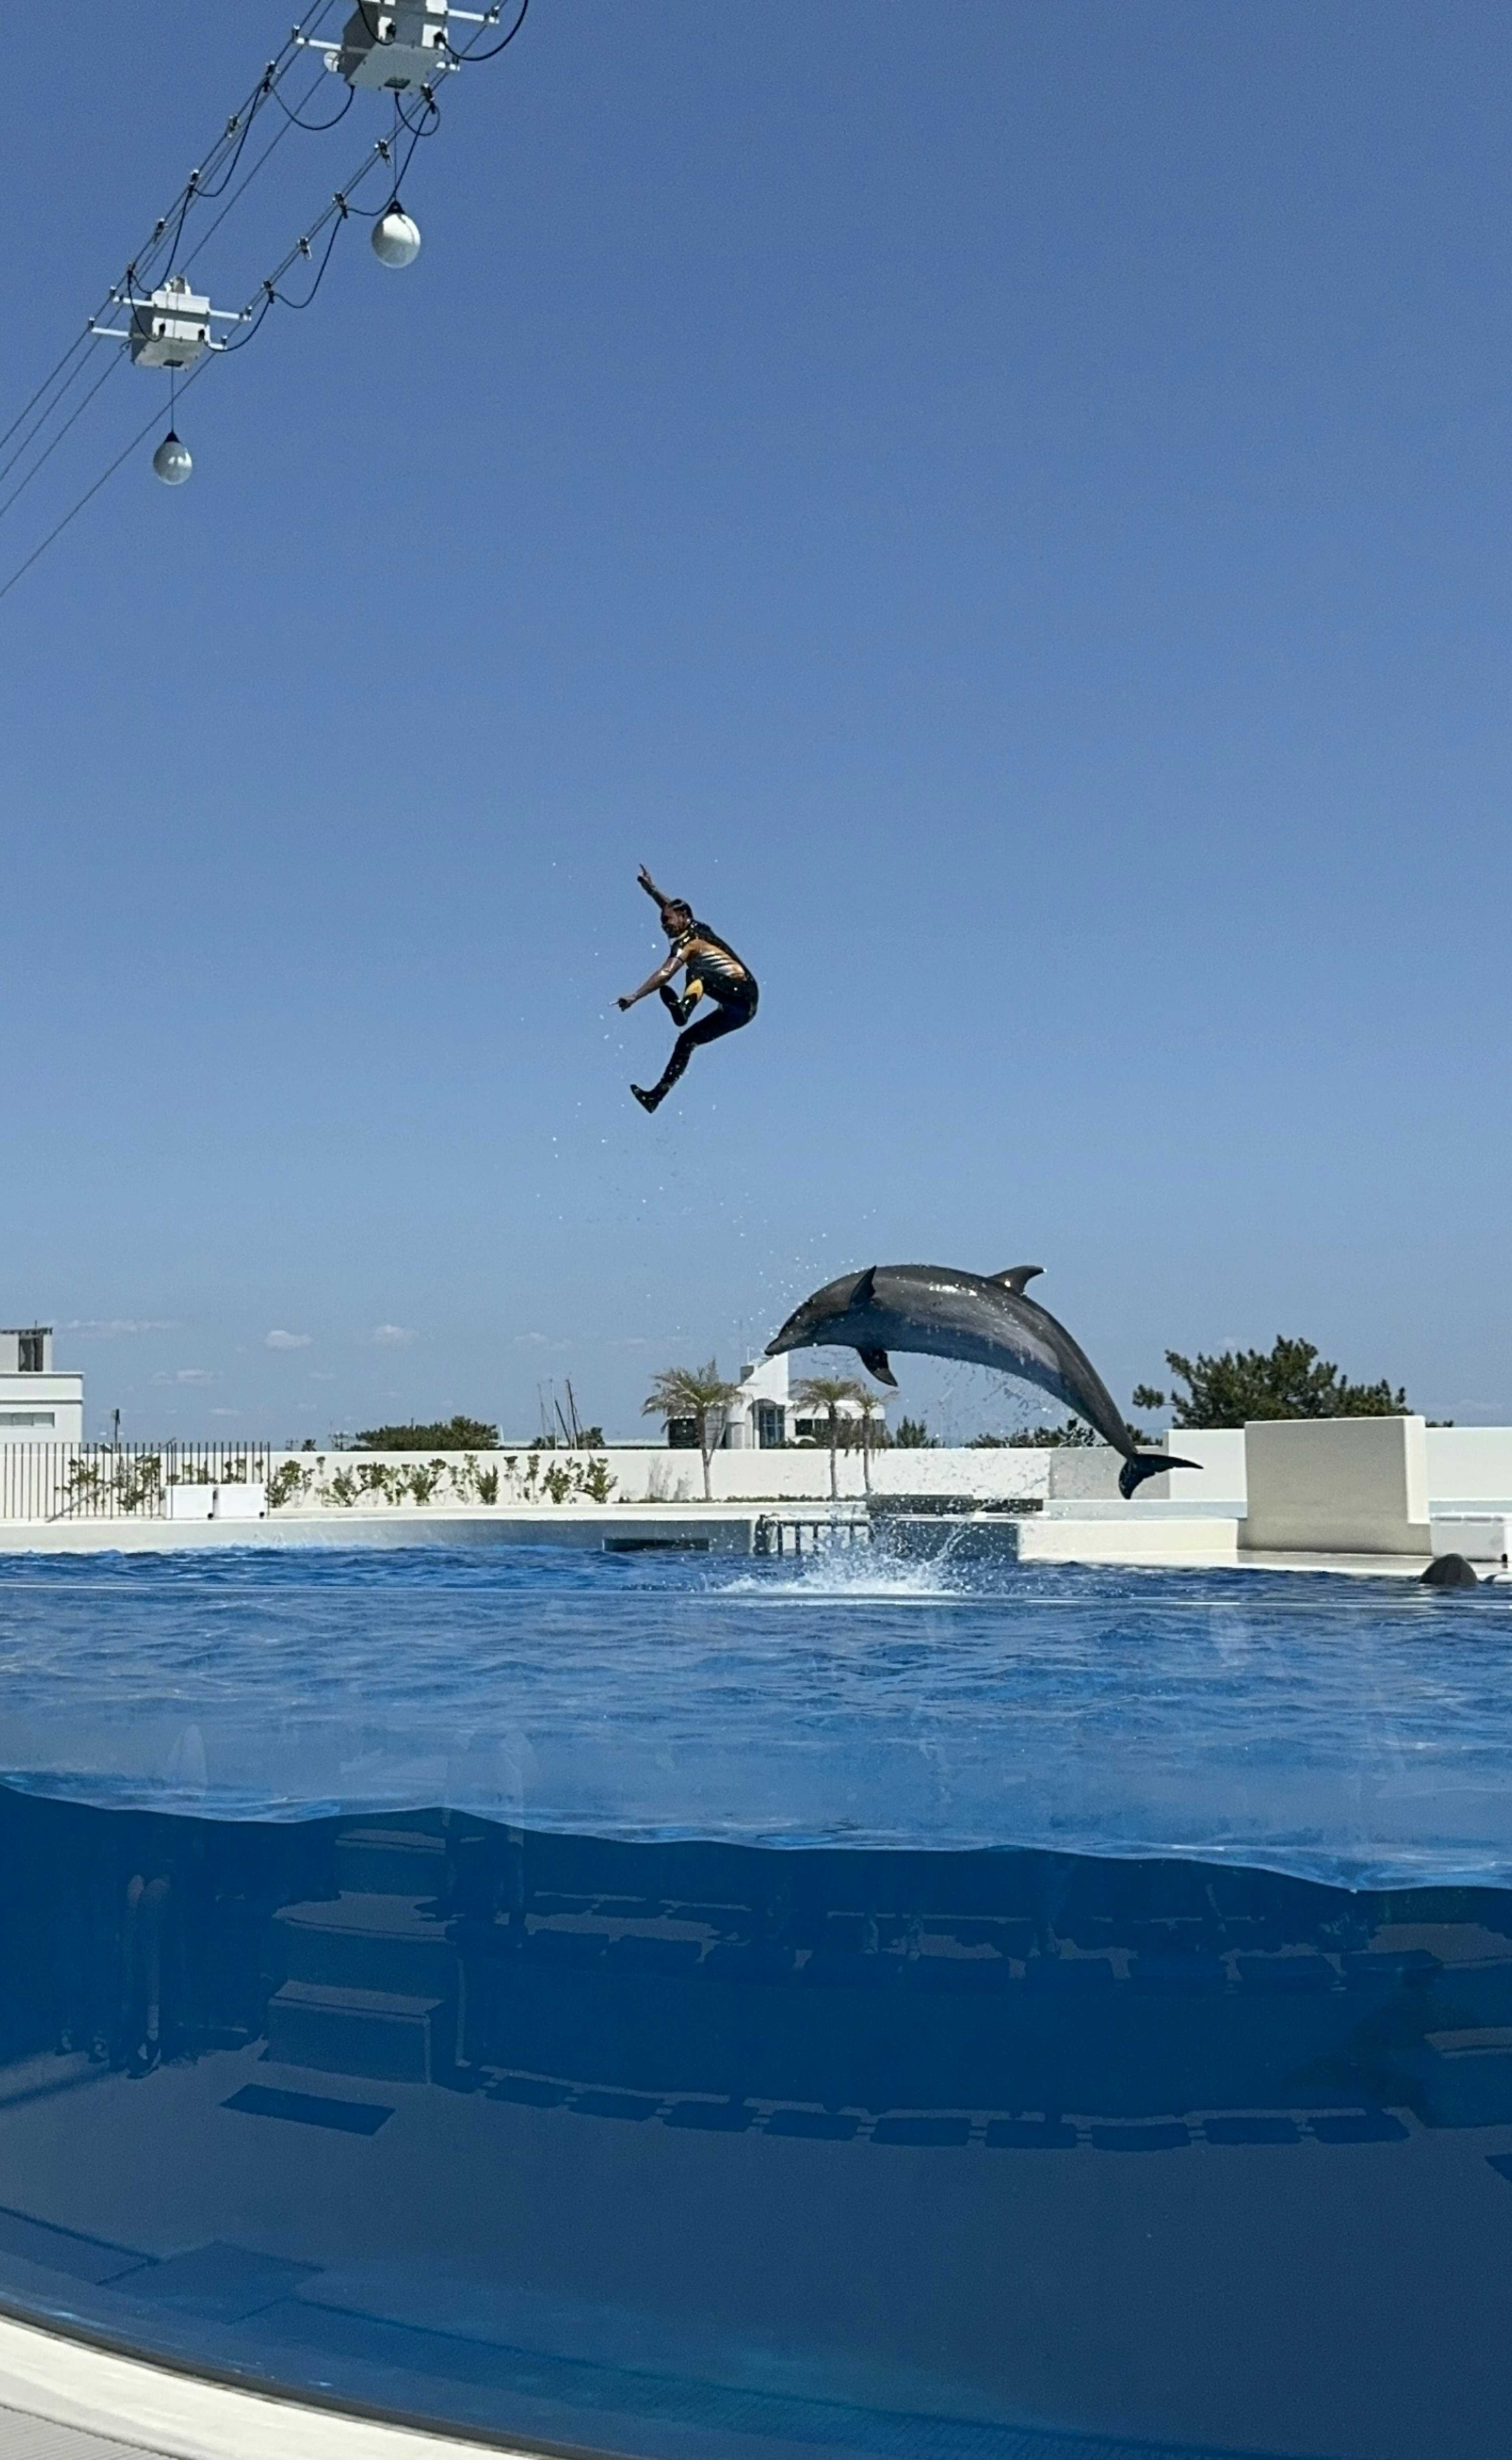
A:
668	2008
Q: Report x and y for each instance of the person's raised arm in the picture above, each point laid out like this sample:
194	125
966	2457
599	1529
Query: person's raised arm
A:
651	889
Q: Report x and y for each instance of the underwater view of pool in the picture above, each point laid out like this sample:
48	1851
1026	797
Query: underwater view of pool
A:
663	2005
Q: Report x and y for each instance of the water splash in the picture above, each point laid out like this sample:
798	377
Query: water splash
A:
860	1575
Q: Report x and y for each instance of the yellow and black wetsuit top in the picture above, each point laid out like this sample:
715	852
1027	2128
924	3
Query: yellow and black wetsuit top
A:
713	968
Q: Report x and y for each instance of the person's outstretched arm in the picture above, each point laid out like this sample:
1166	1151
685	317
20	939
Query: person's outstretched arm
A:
651	888
654	981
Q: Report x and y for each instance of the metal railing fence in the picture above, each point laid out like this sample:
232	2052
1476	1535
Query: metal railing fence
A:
117	1482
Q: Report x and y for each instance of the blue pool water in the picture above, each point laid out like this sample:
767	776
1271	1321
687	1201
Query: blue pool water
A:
1357	1732
688	2009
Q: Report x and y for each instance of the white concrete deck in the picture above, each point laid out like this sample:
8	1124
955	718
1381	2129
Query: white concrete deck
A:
721	1528
1156	1534
62	2399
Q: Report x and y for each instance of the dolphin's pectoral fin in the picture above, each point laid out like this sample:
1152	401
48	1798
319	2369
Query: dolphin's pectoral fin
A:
1016	1276
864	1291
875	1362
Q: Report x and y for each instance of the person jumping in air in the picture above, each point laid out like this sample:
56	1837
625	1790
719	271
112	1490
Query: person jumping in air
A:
713	972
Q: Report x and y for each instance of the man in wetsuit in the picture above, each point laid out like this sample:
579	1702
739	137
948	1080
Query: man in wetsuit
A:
713	972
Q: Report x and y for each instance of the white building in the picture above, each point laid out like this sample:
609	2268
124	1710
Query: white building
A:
763	1417
37	1405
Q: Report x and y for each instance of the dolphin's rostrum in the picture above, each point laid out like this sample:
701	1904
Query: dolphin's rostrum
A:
983	1317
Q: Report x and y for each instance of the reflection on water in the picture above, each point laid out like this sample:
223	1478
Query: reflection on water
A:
690	2147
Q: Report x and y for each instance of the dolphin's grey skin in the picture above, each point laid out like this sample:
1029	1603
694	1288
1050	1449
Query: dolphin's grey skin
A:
1450	1572
983	1318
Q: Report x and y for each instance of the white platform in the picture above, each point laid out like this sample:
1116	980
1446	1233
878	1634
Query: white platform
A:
63	2400
1128	1536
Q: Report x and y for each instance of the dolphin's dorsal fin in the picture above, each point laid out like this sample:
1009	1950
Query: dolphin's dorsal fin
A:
1016	1276
865	1289
877	1363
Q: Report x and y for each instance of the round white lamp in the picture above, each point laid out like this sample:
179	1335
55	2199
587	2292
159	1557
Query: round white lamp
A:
173	461
396	237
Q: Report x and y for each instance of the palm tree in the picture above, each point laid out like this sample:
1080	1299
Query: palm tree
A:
697	1392
827	1393
869	1430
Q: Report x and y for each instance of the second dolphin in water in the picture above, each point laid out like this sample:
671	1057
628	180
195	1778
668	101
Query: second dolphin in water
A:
981	1318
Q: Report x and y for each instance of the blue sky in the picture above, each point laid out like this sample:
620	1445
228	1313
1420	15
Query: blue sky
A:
1007	508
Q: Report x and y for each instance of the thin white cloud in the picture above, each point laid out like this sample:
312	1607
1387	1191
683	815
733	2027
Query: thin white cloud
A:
187	1375
392	1336
277	1340
115	1328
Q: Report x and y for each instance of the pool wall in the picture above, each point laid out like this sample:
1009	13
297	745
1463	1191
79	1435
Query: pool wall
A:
665	2148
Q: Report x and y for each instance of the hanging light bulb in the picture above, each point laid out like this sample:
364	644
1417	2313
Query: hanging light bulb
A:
173	461
396	237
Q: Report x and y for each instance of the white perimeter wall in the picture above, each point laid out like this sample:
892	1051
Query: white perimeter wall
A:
1469	1465
657	1474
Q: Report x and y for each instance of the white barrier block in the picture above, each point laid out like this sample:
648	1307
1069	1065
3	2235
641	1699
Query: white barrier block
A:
1336	1486
240	1502
191	1502
1480	1536
1131	1538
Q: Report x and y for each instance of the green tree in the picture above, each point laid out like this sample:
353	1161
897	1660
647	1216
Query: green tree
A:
913	1436
439	1435
701	1393
827	1393
1287	1381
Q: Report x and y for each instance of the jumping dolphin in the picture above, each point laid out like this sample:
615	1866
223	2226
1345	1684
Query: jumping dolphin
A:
983	1318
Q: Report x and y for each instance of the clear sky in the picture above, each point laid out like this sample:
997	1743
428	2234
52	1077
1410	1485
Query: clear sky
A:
1006	507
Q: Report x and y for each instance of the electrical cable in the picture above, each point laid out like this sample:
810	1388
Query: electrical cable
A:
22	484
300	305
401	175
470	50
37	425
317	127
237	192
78	343
205	237
207	194
89	492
341	207
252	318
183	212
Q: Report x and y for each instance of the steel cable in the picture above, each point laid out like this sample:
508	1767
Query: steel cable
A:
89	494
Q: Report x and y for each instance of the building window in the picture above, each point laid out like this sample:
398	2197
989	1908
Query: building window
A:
28	1419
683	1434
771	1432
31	1347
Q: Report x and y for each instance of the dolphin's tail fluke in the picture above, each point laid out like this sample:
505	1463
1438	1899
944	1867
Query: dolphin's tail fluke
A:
1143	1465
